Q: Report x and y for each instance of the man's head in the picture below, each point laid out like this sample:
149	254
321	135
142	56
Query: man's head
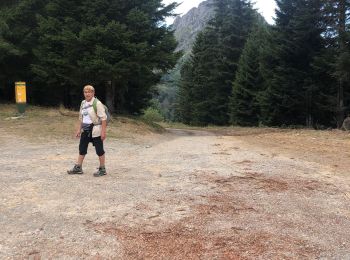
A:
89	92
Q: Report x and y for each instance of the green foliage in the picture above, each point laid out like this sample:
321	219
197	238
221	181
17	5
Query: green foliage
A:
250	82
206	83
240	70
63	45
152	114
184	107
297	42
17	38
168	89
337	16
296	73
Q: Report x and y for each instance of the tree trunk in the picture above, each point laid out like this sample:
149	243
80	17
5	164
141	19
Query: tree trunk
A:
66	98
340	104
342	46
110	95
309	117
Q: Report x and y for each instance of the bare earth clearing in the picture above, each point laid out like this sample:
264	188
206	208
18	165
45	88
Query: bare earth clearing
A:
233	193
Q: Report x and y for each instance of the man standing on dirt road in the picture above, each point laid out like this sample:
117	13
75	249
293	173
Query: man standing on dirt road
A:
91	128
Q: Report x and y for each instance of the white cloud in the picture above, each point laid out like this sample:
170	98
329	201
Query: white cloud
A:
265	7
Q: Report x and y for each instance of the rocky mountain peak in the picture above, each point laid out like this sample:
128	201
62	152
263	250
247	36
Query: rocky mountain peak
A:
189	25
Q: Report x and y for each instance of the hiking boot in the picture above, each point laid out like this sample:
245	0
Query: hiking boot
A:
101	171
77	169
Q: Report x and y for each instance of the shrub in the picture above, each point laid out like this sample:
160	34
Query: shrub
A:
152	115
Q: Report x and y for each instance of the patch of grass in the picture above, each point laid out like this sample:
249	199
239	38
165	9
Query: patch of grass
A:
42	123
38	122
140	121
225	130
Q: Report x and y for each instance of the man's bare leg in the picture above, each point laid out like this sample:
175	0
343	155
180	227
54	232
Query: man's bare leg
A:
101	170
102	160
80	160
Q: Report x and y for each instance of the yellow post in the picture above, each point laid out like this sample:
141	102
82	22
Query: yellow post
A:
21	97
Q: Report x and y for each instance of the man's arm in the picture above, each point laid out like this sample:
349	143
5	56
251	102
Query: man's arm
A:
103	117
78	132
78	128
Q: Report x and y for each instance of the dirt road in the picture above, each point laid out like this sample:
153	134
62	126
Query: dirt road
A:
180	195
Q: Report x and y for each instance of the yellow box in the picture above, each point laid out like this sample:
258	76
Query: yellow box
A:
21	96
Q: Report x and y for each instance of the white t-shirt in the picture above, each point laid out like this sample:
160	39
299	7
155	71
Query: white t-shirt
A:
86	109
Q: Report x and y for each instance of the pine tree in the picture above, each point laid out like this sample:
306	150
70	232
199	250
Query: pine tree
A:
297	41
204	62
184	108
334	63
121	46
249	81
215	57
342	69
17	39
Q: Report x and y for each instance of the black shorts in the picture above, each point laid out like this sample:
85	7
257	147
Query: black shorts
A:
85	139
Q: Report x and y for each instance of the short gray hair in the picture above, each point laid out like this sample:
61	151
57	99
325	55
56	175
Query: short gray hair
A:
89	88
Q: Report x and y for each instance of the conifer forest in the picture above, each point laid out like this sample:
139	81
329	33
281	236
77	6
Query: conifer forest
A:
241	70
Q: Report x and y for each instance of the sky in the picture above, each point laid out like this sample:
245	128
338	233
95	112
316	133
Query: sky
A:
265	7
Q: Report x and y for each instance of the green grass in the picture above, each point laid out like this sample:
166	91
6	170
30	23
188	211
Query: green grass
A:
42	123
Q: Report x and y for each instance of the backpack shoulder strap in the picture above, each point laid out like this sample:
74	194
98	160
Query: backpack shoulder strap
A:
94	105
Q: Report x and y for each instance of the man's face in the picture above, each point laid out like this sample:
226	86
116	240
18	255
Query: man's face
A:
88	94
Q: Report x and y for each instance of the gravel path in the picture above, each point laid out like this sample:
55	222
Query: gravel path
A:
177	196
